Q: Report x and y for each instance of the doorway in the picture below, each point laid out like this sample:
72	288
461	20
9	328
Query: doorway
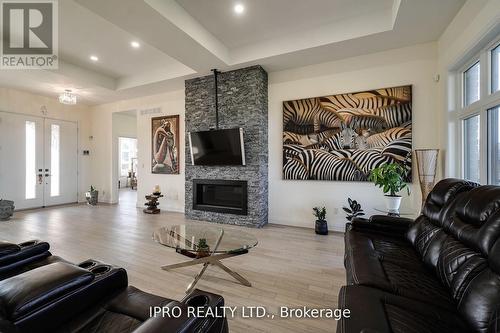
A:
125	157
38	160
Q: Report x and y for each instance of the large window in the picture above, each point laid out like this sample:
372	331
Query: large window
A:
128	152
479	113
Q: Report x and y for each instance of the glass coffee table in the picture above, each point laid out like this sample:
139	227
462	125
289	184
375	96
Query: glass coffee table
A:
207	245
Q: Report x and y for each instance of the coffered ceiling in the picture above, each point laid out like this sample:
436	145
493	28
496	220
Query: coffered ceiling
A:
185	38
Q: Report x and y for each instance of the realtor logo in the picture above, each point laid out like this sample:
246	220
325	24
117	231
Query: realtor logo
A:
29	34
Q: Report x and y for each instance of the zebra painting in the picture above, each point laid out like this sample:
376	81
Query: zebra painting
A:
343	137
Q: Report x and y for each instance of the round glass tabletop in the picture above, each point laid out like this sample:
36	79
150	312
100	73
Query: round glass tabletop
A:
209	238
401	212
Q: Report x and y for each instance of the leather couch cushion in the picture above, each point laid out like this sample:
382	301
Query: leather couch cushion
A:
24	293
391	265
373	310
444	191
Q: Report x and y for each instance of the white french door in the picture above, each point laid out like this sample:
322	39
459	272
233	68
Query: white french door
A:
38	160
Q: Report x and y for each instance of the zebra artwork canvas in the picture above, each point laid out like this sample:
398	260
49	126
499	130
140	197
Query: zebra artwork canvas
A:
342	137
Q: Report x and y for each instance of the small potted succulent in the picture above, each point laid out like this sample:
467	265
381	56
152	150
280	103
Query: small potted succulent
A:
321	226
92	196
390	178
202	248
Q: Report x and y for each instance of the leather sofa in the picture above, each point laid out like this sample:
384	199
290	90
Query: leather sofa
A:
44	293
438	273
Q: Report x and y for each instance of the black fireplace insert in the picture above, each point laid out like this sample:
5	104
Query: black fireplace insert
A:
221	196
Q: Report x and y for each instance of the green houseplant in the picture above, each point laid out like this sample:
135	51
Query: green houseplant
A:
321	226
202	248
390	178
354	210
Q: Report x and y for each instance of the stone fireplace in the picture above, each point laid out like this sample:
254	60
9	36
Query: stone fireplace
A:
217	193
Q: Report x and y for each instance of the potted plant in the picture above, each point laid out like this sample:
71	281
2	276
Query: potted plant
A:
202	249
321	226
92	196
390	178
354	209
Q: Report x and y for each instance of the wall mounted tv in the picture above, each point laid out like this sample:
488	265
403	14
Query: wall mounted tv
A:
217	147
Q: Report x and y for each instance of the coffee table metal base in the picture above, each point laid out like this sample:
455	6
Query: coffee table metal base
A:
214	259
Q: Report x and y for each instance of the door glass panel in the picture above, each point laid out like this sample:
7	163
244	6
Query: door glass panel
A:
30	190
495	69
55	160
471	148
471	84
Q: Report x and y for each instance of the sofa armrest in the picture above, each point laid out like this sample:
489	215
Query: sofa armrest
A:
14	253
32	290
167	324
383	224
197	302
7	248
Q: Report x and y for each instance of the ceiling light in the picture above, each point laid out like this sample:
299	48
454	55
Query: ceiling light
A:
67	97
135	44
94	58
239	8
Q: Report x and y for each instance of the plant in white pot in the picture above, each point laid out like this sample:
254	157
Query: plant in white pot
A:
390	178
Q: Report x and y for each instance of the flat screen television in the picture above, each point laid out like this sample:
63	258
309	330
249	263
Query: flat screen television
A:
217	147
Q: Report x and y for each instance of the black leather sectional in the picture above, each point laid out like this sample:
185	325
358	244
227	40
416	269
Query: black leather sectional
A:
40	292
439	273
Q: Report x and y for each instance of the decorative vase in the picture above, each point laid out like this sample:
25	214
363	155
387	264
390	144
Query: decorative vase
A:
6	209
392	203
321	227
92	197
427	165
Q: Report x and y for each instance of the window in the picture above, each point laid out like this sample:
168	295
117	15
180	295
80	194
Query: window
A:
471	148
54	159
479	115
494	146
128	152
471	84
30	190
495	69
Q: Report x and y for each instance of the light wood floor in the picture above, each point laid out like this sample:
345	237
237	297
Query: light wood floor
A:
289	267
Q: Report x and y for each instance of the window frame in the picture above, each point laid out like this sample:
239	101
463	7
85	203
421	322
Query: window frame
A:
487	100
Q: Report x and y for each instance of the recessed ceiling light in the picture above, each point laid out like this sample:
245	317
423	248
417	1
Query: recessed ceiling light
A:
94	58
135	44
239	8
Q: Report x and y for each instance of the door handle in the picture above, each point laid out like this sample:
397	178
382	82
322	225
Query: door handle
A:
40	180
47	175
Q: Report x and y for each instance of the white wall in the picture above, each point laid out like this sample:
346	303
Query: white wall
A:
171	103
12	100
291	202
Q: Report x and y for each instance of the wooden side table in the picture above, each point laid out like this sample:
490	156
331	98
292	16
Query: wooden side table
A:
152	204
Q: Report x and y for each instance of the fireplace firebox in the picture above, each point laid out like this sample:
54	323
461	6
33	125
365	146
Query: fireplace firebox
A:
221	196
